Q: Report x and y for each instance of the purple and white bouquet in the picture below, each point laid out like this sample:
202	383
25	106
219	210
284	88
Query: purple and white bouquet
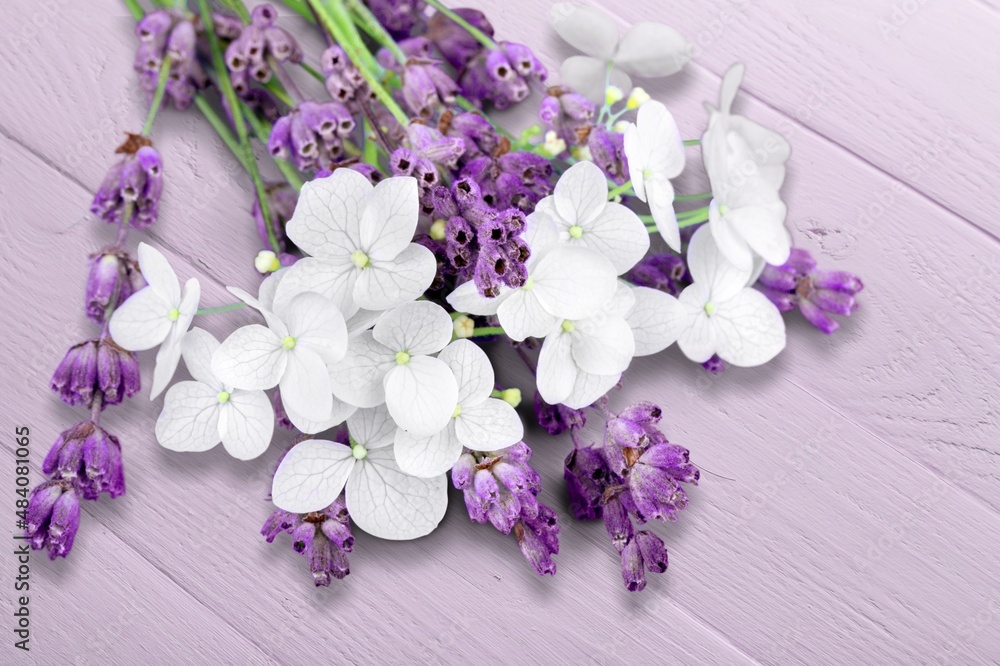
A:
409	227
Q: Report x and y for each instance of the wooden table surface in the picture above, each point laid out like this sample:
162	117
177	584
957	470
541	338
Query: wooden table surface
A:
860	520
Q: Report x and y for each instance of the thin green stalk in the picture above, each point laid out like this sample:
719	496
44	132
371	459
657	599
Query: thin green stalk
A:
484	331
222	308
367	22
478	34
692	142
235	110
161	87
263	131
275	88
346	35
238	7
693	213
693	220
313	72
693	197
624	188
370	152
301	8
135	9
221	128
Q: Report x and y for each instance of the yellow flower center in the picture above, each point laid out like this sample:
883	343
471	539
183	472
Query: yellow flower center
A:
359	452
529	284
458	410
174	314
288	342
568	326
710	308
223	396
360	259
402	358
576	231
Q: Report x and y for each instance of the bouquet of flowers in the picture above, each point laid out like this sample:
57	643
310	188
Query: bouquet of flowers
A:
408	229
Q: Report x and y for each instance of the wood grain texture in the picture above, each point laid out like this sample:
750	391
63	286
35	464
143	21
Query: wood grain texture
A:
861	523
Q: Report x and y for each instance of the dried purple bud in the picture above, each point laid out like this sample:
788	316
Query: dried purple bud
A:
53	517
75	379
117	372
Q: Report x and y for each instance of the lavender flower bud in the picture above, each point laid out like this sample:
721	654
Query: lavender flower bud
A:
180	45
608	151
632	567
153	27
264	15
53	517
399	17
653	552
281	45
133	180
227	27
75	378
539	541
586	476
454	41
302	536
117	372
557	419
714	365
90	456
617	522
279	521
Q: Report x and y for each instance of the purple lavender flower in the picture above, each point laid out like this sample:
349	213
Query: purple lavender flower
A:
586	474
53	517
608	150
75	378
260	46
113	277
344	81
399	17
136	181
511	179
163	34
426	87
323	537
714	365
557	419
311	135
665	272
501	76
568	114
478	134
90	457
817	293
453	41
501	488
117	372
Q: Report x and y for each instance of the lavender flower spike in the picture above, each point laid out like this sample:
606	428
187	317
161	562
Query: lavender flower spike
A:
75	379
323	537
53	517
114	276
90	457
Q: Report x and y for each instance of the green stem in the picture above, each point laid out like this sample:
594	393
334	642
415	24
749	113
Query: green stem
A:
301	8
478	34
220	127
232	101
370	151
693	220
161	88
238	7
222	308
693	197
692	142
484	331
275	88
263	131
466	105
333	19
693	213
313	72
136	9
621	189
367	21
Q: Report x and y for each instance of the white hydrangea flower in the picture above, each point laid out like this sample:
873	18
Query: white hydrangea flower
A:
655	153
158	314
719	313
563	282
381	499
582	359
292	352
392	363
648	50
359	237
479	422
585	218
199	414
746	166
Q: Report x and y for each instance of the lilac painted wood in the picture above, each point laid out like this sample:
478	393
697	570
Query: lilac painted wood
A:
862	521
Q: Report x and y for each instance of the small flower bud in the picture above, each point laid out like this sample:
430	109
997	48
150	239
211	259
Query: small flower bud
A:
437	230
637	98
511	396
464	326
613	95
266	262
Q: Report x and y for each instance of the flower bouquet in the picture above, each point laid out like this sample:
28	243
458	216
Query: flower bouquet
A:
409	228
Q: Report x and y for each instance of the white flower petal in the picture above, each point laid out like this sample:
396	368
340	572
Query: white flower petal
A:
251	358
603	345
340	412
557	372
661	206
466	298
749	330
372	428
158	274
473	371
729	241
573	282
390	218
246	423
362	320
588	388
585	28
581	194
651	50
655	319
197	347
190	418
328	213
311	475
188	306
541	232
421	395
621	303
731	82
763	228
389	504
619	235
522	316
419	327
489	426
317	325
427	456
142	321
660	134
357	379
385	284
767	144
268	287
167	358
305	385
696	337
587	76
709	266
331	278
